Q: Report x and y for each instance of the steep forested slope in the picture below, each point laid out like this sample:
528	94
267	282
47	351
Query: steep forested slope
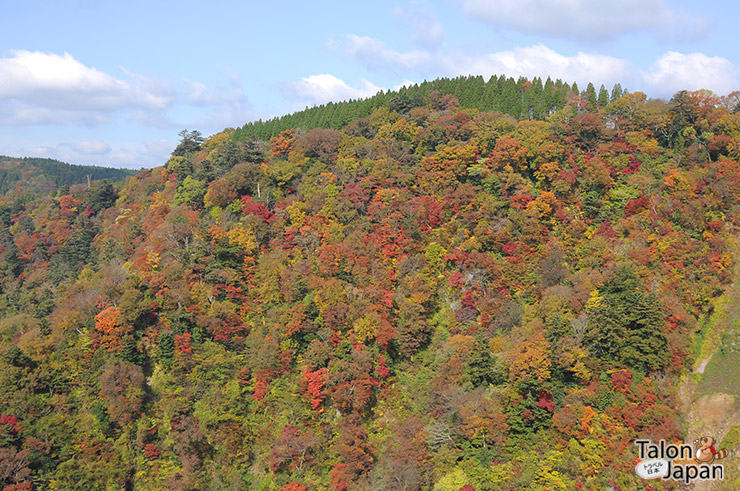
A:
429	299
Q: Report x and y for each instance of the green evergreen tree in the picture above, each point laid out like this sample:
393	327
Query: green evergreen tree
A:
166	349
190	141
511	98
130	352
549	101
561	94
491	95
574	89
78	249
603	98
101	196
625	325
590	95
535	99
483	367
617	92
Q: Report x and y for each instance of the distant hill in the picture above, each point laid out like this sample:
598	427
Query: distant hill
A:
49	174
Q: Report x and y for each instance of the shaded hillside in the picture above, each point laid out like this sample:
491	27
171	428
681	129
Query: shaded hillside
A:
42	175
431	297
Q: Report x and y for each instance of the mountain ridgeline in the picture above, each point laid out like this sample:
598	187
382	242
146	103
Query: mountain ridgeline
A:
521	99
43	175
452	287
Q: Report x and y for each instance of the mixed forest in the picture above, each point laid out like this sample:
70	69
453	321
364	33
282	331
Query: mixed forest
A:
462	285
38	176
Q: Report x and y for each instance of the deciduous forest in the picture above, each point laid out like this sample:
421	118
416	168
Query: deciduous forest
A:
462	285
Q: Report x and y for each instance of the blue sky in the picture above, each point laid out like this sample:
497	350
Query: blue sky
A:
112	83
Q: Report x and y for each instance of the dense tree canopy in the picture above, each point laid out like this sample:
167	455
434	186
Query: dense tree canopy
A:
460	285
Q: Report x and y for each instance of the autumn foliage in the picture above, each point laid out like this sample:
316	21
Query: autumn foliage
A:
464	285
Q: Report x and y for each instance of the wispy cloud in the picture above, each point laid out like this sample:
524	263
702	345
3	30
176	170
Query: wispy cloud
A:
319	89
200	94
375	55
587	20
226	105
90	147
532	61
670	72
427	31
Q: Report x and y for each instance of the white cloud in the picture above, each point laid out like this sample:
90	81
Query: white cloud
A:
587	19
532	61
39	88
674	71
35	75
320	89
541	61
669	73
65	83
373	54
45	88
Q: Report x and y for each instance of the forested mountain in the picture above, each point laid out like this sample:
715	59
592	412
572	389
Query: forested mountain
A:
522	99
36	175
435	295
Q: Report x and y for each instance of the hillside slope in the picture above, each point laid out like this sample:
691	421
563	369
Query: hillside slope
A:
710	391
440	298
